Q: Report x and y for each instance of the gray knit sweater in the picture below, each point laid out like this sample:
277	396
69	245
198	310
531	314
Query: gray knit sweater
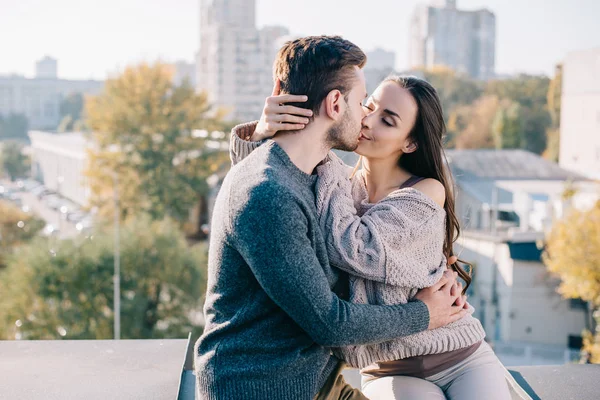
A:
272	313
391	249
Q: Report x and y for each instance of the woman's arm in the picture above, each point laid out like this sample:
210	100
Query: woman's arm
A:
399	241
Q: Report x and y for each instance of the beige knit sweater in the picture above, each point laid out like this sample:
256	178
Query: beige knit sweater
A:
391	249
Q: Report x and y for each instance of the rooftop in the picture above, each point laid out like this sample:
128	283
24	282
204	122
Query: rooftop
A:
506	165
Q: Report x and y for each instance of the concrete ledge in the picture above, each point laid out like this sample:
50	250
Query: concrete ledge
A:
162	369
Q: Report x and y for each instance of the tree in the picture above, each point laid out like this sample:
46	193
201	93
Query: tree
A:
530	93
553	99
14	162
144	127
573	254
454	89
507	126
16	228
474	124
64	289
14	126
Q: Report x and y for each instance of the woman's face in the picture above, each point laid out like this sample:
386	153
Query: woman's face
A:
391	112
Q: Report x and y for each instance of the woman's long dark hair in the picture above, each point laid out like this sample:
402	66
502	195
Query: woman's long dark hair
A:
429	160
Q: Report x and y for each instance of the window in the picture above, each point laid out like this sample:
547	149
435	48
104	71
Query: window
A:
577	304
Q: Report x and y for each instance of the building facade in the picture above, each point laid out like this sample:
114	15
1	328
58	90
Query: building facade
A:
580	113
235	60
59	161
441	34
39	98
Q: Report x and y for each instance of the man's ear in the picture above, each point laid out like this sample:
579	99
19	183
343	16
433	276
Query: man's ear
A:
410	146
334	104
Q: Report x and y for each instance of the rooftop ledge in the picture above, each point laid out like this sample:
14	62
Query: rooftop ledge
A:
162	369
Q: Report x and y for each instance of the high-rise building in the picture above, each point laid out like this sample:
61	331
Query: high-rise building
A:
235	59
441	34
580	113
380	64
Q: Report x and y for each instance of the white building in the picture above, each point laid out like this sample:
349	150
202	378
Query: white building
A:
46	68
235	60
506	201
39	98
59	162
580	113
441	34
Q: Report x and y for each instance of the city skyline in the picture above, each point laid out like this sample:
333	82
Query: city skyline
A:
93	39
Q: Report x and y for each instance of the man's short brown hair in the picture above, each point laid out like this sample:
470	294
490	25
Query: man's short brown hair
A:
316	65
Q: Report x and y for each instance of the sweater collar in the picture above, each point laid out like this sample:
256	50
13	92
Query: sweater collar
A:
296	172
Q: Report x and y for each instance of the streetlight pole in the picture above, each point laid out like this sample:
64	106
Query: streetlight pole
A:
117	276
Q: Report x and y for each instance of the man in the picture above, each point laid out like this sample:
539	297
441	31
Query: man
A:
271	306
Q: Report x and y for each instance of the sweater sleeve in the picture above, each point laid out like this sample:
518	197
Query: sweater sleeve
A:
270	232
239	148
398	241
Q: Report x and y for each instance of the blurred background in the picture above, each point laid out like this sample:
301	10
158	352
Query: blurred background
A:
114	127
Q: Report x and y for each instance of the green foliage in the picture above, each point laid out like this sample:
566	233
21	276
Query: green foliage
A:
14	126
14	163
506	114
64	290
507	127
72	106
16	229
143	127
453	89
573	254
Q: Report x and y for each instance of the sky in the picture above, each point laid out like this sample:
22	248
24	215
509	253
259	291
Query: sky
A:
95	38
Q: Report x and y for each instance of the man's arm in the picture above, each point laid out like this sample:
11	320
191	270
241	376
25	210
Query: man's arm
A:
271	235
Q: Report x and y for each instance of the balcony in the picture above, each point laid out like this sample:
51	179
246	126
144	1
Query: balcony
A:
162	369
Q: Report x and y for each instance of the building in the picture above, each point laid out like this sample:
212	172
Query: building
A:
580	113
59	161
380	65
184	71
235	60
46	68
441	34
506	201
39	98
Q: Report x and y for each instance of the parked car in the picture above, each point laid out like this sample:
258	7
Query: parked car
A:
76	216
85	224
50	230
28	184
53	201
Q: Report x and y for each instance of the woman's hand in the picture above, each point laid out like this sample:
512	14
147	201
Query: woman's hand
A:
277	116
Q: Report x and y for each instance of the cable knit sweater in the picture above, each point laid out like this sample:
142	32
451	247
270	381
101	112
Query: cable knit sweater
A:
397	243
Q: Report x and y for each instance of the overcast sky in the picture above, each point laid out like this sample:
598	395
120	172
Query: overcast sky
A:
91	38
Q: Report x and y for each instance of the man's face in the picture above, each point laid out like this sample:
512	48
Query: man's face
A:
344	134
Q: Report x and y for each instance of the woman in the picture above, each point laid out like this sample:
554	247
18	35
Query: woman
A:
397	215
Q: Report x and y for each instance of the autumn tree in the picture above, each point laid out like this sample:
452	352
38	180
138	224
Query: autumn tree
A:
146	134
64	289
573	254
472	124
553	98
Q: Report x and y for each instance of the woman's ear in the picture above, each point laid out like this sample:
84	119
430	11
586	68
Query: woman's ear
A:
410	147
